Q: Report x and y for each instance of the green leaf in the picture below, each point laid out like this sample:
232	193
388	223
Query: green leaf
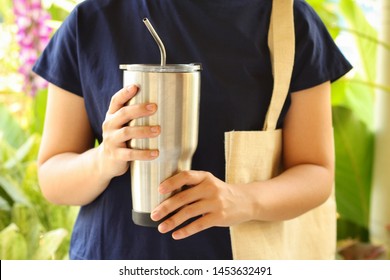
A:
39	106
13	245
5	218
21	153
6	151
354	150
357	97
365	37
328	12
49	244
10	129
4	205
27	220
59	9
12	190
347	230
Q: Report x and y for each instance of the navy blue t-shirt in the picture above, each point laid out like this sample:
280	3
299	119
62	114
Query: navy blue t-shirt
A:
229	39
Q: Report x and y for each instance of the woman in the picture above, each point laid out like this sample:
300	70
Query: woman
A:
86	102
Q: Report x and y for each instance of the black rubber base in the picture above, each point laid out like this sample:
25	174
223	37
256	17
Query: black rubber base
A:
143	219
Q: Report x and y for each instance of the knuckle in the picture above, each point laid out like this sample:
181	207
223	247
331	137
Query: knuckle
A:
222	214
126	133
135	154
187	212
145	132
188	174
171	222
130	154
185	231
207	174
182	196
198	225
105	124
107	139
122	113
114	99
164	209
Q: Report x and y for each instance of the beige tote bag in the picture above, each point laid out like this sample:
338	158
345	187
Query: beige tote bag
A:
256	156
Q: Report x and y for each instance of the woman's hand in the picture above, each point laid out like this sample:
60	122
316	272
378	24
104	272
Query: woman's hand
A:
306	182
213	201
74	172
115	155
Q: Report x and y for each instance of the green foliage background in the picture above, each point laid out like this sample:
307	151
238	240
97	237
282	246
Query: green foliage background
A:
32	228
353	104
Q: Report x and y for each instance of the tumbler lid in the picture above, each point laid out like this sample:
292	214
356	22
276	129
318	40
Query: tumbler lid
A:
169	68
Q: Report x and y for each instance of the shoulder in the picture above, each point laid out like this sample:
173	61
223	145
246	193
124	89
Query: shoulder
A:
92	9
317	57
92	5
306	19
310	31
91	16
303	10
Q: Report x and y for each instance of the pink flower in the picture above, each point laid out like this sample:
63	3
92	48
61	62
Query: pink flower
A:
32	36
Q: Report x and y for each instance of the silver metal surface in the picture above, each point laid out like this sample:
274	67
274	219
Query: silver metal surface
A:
176	91
158	41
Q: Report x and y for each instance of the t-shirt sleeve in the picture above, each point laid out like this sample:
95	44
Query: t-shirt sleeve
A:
58	63
317	58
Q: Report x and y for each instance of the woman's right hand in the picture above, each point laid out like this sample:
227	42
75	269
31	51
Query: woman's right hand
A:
115	155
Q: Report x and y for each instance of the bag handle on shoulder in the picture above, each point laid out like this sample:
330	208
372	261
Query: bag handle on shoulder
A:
281	43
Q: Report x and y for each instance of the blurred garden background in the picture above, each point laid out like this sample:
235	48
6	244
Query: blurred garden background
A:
31	228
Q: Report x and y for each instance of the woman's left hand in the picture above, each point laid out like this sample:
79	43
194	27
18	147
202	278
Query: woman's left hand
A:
213	201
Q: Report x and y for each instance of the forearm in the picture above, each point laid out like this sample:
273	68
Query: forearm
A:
308	158
290	194
73	179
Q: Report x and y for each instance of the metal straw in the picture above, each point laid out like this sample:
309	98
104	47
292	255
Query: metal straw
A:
158	41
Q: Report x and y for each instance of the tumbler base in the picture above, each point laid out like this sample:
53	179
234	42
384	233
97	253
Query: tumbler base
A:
143	219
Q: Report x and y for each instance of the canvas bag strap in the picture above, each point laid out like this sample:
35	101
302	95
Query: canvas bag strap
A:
281	43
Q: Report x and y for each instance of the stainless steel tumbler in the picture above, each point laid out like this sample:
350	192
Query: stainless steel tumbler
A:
176	91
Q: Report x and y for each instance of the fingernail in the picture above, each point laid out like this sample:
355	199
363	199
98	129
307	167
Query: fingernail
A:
154	129
132	88
151	107
177	235
154	153
162	189
162	227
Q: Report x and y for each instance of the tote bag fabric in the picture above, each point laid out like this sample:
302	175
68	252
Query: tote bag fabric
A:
256	156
